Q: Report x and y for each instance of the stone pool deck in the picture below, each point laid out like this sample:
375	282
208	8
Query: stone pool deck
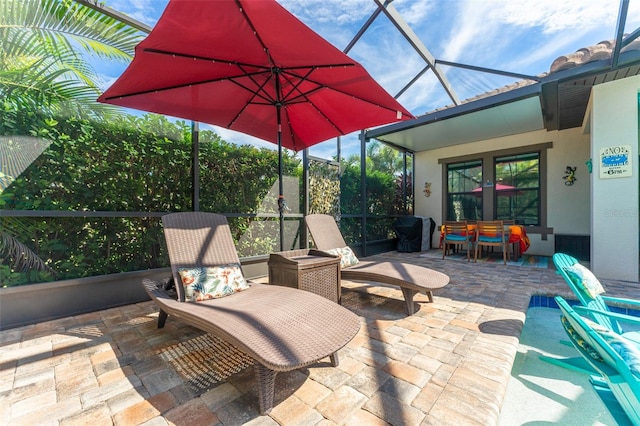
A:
449	364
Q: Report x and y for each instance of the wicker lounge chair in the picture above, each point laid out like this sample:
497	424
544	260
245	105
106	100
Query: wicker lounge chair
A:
410	278
281	328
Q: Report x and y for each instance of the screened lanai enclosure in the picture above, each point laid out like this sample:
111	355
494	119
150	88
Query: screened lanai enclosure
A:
83	196
83	185
80	208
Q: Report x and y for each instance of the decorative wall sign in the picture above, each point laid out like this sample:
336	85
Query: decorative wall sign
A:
427	189
570	175
615	162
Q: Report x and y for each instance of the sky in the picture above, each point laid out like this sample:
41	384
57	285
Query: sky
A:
520	36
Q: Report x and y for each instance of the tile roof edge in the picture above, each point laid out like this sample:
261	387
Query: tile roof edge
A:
596	52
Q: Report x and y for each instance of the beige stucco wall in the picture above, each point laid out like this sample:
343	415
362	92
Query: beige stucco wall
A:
614	202
567	209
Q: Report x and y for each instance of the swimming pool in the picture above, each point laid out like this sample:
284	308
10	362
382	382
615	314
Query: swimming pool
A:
541	393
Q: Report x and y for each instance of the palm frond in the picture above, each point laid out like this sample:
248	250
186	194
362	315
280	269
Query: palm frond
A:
43	47
93	31
20	257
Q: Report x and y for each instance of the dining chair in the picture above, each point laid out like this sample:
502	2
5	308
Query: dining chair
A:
456	234
491	233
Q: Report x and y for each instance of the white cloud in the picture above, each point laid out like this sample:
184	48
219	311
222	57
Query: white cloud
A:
554	16
335	12
521	36
414	11
145	11
106	81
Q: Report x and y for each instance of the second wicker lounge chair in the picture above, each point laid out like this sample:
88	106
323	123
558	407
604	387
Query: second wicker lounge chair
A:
410	278
281	328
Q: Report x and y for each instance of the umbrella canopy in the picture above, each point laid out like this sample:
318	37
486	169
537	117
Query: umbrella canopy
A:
253	67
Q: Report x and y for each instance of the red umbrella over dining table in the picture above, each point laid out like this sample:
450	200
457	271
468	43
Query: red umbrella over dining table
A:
253	67
500	188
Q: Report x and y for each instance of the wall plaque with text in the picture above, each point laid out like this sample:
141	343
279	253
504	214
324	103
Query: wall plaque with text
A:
615	162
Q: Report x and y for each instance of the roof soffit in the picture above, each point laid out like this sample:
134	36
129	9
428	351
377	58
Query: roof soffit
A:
562	96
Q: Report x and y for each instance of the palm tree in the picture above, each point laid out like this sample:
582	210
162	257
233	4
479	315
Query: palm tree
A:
44	66
45	46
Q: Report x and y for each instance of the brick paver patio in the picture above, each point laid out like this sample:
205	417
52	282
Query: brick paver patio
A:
449	364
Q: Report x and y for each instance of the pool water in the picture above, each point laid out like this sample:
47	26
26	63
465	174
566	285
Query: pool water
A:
541	393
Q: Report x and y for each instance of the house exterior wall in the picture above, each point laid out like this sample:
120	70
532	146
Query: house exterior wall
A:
567	210
614	202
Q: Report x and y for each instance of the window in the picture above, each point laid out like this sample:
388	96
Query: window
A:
503	185
464	200
517	188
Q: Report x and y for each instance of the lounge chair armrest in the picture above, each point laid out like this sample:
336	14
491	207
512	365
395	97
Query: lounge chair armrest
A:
621	301
622	317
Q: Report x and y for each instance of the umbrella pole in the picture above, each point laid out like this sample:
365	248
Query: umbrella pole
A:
281	201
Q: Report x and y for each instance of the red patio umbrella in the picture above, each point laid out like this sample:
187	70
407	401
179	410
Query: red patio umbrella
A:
251	66
500	189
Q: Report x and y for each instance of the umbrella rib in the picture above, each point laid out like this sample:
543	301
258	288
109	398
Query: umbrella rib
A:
245	64
241	65
268	100
179	86
294	86
302	97
253	28
261	92
326	118
206	58
320	85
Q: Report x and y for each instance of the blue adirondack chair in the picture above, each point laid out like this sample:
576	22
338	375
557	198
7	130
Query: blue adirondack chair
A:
615	358
589	292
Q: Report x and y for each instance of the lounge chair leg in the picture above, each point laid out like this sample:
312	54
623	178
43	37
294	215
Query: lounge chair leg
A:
334	359
162	318
266	379
430	296
408	298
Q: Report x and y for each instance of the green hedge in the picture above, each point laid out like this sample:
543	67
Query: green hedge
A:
143	164
130	164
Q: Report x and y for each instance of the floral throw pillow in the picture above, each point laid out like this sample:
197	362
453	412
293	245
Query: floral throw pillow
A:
585	280
212	282
347	257
578	340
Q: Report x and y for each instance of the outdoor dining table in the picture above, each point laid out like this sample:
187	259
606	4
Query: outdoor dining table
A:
517	238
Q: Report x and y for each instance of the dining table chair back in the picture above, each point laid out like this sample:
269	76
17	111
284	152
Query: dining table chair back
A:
491	233
457	234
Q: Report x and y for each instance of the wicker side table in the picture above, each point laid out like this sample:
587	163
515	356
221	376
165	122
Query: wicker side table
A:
307	269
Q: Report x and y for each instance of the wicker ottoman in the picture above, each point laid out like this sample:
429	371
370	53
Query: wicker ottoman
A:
307	269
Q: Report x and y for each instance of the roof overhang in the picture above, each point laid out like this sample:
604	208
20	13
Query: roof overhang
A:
557	102
508	113
565	94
